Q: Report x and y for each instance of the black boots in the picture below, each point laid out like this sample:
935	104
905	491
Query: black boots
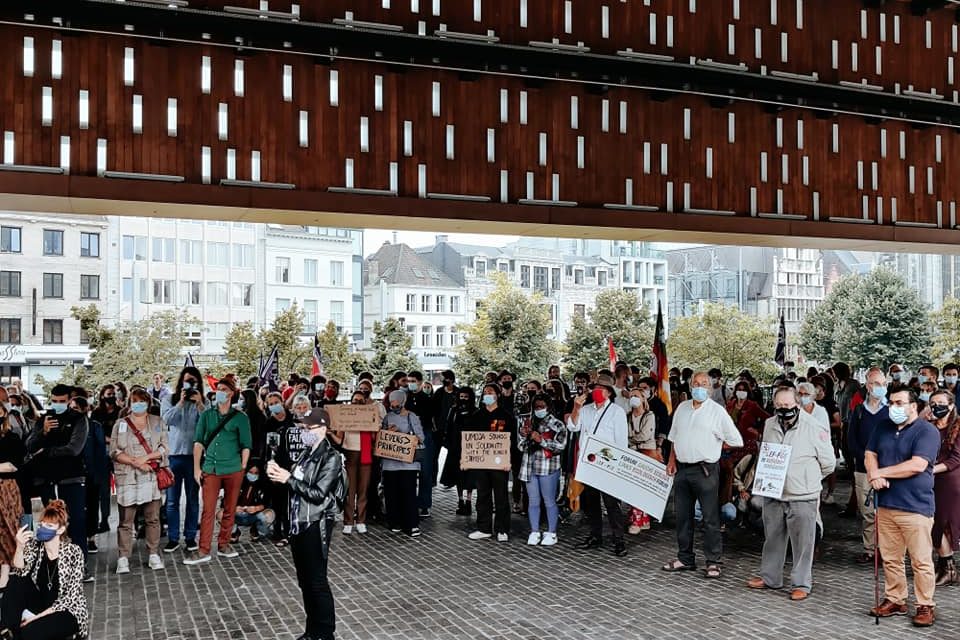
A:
463	508
946	572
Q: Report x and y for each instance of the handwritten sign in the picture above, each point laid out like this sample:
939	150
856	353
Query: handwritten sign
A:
396	446
635	478
485	450
353	417
771	470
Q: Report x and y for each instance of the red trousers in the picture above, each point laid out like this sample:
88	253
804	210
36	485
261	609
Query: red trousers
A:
210	491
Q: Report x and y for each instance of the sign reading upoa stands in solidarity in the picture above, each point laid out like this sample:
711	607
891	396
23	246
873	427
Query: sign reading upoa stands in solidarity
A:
771	472
396	446
353	417
485	450
638	480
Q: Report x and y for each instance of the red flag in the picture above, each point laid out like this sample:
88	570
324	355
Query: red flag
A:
661	370
613	353
212	382
317	368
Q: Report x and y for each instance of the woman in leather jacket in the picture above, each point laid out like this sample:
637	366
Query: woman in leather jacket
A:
316	482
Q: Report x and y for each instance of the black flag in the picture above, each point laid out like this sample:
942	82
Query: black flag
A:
781	356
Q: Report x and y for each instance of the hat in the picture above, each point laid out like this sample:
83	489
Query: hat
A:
316	418
604	380
398	395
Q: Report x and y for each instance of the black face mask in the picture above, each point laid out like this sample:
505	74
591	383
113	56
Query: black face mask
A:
507	384
939	410
109	400
788	416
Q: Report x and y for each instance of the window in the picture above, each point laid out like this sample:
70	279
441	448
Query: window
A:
218	254
283	270
480	266
578	276
90	287
191	252
441	336
53	285
10	283
127	290
425	336
579	311
84	336
555	279
89	245
441	306
243	295
52	242
163	291
281	305
9	330
336	274
134	247
144	287
164	250
53	332
309	316
525	276
425	304
454	304
10	239
189	293
217	330
411	302
336	313
310	272
217	294
243	256
540	279
602	277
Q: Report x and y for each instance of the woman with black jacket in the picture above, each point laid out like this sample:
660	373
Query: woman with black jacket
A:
452	475
316	483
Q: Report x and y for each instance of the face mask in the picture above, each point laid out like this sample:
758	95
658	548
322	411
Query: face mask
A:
276	409
699	394
330	393
252	477
318	387
635	402
396	409
489	399
222	397
58	407
507	384
925	396
540	413
878	392
787	416
428	390
309	437
646	393
950	379
45	533
741	395
806	401
138	408
413	387
599	396
898	414
187	385
896	375
939	410
921	379
109	400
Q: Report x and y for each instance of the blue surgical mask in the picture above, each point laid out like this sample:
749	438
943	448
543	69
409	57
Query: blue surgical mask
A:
187	385
879	392
45	533
699	394
806	400
138	408
276	409
396	409
222	396
253	477
896	375
413	386
540	413
925	396
950	379
898	414
309	437
489	399
58	407
922	378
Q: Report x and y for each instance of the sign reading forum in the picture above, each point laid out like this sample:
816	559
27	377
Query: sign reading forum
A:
488	450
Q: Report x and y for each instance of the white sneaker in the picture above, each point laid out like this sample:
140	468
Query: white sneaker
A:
155	562
123	566
347	529
480	535
502	537
549	539
534	539
361	528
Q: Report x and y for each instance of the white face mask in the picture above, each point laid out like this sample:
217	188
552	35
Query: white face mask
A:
635	402
741	395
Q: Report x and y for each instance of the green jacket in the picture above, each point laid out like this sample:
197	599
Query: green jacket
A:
222	457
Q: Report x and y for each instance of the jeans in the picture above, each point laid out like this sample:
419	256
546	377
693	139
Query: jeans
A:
310	549
22	594
259	520
183	481
427	474
794	522
400	491
545	488
75	497
492	489
230	483
689	485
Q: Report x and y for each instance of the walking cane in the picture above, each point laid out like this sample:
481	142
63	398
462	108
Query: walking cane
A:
876	557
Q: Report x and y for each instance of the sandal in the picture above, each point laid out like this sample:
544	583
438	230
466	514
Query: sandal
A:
676	565
282	542
712	571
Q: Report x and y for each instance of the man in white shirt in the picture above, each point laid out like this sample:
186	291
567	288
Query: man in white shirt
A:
700	429
607	421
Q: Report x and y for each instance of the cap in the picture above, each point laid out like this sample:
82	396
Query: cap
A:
316	418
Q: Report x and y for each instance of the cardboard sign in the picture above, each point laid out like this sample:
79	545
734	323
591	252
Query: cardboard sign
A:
485	450
396	446
772	468
353	417
629	475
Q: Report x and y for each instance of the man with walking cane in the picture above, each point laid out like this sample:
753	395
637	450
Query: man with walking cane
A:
899	462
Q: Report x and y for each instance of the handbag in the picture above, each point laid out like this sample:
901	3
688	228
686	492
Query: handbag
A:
164	475
421	453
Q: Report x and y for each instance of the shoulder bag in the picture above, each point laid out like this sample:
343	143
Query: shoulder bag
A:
164	475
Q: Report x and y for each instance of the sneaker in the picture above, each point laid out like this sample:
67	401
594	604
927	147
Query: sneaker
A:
155	562
172	546
396	530
191	545
194	557
480	535
87	577
92	546
361	528
548	540
123	566
226	551
534	538
502	537
424	513
415	532
347	529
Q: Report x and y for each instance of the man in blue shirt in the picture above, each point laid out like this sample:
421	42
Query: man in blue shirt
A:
899	463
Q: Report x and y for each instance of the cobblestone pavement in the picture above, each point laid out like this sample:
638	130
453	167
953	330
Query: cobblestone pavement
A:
444	586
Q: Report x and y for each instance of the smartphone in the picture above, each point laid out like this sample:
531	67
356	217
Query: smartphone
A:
273	443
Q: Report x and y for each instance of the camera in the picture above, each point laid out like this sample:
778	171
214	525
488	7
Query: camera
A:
273	443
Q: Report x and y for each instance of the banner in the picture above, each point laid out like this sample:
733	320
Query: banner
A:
488	450
353	417
316	368
395	445
660	369
771	470
781	354
629	475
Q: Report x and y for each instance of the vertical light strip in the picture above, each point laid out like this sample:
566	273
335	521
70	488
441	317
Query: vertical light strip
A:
46	106
205	165
623	116
709	162
364	134
205	74
731	127
523	107
128	66
542	149
137	114
56	60
304	128
450	142
84	110
408	138
394	177
574	112
231	164
334	88
378	92
238	78
101	156
287	83
8	147
222	120
65	153
172	117
255	166
29	57
605	115
435	99
580	152
348	173
504	105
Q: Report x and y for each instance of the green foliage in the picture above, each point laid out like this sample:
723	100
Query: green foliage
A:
726	338
241	352
286	333
816	338
510	332
945	325
391	351
335	347
618	314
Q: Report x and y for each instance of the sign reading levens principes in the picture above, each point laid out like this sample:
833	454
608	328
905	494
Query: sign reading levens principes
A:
488	450
353	417
772	468
396	446
629	475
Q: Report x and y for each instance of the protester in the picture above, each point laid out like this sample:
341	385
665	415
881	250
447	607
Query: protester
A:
358	456
642	436
159	391
899	461
700	428
748	505
252	508
453	475
718	391
11	507
139	448
400	478
181	413
444	401
492	485
825	398
96	462
808	402
748	416
946	486
792	518
421	404
289	449
542	439
951	373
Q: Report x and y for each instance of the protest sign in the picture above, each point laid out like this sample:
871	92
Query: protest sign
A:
353	417
485	450
772	468
395	445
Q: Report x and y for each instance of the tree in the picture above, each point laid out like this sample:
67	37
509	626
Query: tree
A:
286	332
335	348
817	331
241	352
883	321
726	338
619	315
510	332
391	350
945	325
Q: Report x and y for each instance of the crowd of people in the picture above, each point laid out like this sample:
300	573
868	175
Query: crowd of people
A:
251	456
